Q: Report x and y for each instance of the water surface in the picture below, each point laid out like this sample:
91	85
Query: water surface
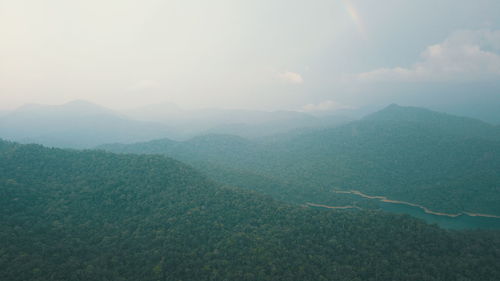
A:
448	221
460	222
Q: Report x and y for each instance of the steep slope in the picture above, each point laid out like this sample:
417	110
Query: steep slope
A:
443	162
227	150
69	215
76	124
445	123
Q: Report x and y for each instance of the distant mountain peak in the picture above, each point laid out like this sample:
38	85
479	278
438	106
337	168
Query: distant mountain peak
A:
397	107
83	105
71	108
28	106
74	107
397	112
394	105
443	122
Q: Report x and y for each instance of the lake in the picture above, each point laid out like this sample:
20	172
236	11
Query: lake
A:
460	222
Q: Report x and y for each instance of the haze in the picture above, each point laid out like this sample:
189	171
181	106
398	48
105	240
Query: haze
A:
267	55
250	140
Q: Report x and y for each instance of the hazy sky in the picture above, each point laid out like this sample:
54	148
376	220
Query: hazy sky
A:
273	54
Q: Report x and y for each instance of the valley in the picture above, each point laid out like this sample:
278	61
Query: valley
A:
426	210
65	213
223	206
283	140
407	154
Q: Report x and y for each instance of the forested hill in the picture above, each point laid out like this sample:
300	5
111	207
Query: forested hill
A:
88	215
444	162
446	123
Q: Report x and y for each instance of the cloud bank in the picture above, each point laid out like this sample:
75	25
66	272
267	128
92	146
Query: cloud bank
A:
464	56
291	77
328	105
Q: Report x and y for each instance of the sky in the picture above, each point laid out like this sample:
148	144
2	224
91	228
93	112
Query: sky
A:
272	55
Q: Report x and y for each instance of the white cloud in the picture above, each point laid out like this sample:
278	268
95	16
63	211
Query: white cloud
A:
328	105
144	85
291	77
465	55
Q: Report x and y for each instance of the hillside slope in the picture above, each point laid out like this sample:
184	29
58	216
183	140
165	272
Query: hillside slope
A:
444	162
70	215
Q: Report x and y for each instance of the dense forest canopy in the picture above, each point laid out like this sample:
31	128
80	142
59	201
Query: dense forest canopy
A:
283	140
444	162
90	215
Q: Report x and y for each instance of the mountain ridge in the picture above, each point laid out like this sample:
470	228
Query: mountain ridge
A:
419	162
444	121
66	213
76	124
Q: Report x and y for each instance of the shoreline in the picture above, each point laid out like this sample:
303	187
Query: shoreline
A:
426	210
332	207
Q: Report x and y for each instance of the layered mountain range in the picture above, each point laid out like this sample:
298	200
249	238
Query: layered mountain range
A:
81	124
444	162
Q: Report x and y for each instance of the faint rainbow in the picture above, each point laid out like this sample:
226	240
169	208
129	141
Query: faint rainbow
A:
356	18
